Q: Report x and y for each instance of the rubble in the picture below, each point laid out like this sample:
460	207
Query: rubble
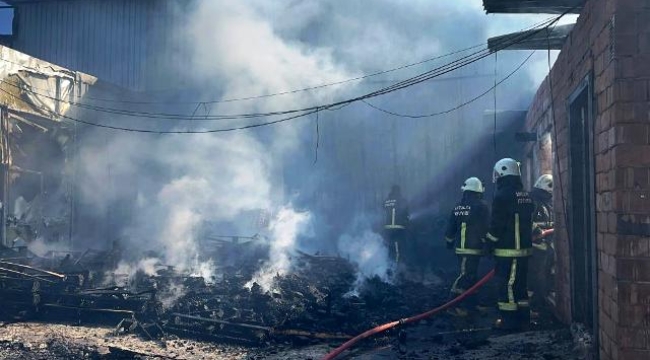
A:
311	307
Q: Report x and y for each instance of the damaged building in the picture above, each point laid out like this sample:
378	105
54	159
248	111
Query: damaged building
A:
38	143
587	124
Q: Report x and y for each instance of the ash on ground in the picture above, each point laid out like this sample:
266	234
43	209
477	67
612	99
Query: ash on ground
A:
69	310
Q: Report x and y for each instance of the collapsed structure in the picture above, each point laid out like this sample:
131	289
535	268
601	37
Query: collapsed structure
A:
37	147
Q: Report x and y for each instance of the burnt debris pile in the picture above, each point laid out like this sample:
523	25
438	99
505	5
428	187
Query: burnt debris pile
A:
321	299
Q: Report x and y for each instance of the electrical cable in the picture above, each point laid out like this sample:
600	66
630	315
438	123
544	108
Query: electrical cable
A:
307	111
277	121
281	93
445	69
476	56
146	115
381	72
317	137
461	105
494	130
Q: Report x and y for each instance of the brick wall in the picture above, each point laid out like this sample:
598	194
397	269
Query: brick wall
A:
612	40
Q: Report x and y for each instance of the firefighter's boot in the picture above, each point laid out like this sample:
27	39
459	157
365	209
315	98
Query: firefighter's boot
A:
523	318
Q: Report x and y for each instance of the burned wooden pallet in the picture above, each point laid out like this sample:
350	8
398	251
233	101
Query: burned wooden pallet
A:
309	304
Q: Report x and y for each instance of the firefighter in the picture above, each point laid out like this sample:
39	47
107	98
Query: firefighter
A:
465	233
540	275
396	223
510	238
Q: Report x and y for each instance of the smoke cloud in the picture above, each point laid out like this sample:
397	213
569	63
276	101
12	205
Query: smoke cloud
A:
157	192
285	230
367	251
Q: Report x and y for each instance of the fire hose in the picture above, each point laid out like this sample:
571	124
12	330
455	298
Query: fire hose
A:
546	233
413	319
390	325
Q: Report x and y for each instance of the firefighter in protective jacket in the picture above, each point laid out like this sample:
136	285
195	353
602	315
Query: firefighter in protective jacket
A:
540	275
395	225
510	236
465	233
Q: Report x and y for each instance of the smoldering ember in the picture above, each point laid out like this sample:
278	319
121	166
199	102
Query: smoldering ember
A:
210	179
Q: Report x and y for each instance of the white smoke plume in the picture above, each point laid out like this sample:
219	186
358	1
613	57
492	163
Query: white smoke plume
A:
125	272
369	253
285	230
179	182
243	49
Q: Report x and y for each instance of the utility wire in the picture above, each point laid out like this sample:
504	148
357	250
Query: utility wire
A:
419	116
463	61
150	115
311	110
244	127
281	93
317	138
249	126
86	97
295	116
494	130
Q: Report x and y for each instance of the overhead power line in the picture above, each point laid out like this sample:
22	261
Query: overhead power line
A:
262	96
287	92
461	105
250	126
430	74
298	113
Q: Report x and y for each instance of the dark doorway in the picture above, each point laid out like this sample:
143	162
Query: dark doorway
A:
581	207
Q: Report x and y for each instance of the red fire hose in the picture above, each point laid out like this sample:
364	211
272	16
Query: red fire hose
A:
390	325
546	233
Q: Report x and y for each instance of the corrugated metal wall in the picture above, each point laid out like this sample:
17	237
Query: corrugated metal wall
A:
125	42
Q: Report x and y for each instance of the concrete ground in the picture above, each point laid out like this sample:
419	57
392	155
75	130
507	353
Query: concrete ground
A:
424	341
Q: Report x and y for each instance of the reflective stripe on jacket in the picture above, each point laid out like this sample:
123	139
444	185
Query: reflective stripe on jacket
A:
511	226
396	213
468	224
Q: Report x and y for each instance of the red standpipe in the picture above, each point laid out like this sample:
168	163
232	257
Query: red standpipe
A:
390	325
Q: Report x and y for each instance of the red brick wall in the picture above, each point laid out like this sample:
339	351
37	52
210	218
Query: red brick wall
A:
612	39
586	50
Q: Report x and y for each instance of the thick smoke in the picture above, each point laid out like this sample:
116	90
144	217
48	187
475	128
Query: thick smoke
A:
285	229
174	184
177	183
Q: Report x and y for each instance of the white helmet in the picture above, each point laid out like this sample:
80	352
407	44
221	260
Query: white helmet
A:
545	182
505	167
473	184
